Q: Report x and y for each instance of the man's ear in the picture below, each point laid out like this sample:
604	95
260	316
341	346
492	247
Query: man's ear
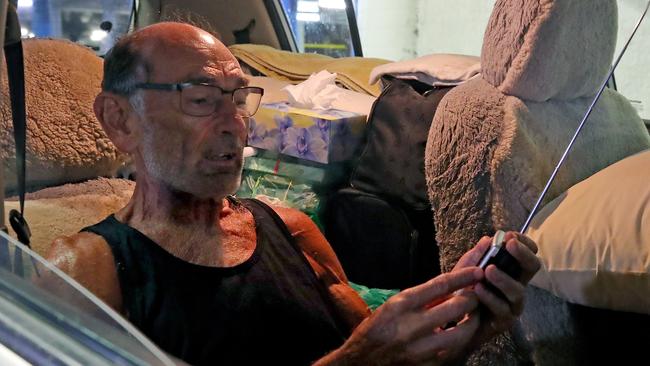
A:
116	115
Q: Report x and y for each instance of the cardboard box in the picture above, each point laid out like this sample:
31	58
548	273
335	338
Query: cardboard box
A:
321	136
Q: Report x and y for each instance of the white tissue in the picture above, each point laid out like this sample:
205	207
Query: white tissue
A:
317	92
249	151
320	92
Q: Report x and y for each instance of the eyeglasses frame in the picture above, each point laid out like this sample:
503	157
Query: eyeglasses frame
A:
180	86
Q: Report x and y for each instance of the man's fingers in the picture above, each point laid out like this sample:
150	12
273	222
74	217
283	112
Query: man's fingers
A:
526	257
510	288
440	286
527	242
447	343
451	310
473	256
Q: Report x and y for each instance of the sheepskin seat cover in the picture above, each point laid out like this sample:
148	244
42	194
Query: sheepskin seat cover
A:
548	49
66	209
65	142
495	140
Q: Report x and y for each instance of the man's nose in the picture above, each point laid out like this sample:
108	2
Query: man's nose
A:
228	120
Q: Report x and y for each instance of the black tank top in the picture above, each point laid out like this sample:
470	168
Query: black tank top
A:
270	309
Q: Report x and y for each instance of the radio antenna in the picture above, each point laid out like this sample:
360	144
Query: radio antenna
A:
582	123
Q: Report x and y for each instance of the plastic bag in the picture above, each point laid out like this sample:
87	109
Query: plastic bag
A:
374	297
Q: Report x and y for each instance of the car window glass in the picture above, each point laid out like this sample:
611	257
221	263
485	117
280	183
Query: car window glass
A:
73	323
402	30
632	78
93	23
320	26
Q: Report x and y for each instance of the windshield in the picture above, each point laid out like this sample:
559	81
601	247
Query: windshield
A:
44	314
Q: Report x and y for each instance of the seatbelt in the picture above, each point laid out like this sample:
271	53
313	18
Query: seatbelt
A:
16	77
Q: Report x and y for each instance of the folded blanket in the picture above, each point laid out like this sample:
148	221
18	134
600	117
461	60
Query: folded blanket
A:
353	72
437	69
273	88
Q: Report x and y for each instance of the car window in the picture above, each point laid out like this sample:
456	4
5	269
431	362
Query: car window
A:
93	23
408	29
320	26
632	79
402	30
44	314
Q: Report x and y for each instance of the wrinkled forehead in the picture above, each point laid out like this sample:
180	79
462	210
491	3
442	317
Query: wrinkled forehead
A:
199	59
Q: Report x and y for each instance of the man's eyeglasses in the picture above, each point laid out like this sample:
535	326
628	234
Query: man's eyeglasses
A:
202	99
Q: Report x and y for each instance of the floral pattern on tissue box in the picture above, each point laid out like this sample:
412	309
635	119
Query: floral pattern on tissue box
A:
323	136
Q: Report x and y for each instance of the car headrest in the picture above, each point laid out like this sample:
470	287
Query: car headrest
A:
549	49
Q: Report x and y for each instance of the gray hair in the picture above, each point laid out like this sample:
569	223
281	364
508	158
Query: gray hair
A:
124	68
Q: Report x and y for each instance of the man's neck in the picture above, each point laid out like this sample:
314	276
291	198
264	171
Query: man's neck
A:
201	231
157	204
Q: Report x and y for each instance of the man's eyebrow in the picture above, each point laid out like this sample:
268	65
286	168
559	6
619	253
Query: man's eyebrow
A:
214	81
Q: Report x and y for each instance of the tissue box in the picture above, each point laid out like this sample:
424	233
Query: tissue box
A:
321	136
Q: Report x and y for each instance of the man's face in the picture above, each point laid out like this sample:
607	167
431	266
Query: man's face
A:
197	155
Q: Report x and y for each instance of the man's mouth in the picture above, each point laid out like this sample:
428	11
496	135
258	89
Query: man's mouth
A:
226	156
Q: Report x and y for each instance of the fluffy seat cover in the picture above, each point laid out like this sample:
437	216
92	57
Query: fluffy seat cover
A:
489	153
549	49
489	156
64	210
65	142
495	140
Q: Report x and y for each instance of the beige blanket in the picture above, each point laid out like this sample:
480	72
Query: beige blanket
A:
352	72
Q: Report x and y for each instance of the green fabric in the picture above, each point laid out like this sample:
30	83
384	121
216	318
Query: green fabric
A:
285	191
374	297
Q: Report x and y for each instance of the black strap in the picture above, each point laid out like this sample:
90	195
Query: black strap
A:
16	77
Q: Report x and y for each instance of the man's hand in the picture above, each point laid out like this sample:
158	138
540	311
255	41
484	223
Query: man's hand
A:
407	329
502	312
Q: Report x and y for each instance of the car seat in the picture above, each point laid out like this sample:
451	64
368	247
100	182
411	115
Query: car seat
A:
495	140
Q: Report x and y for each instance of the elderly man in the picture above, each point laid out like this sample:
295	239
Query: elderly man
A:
217	280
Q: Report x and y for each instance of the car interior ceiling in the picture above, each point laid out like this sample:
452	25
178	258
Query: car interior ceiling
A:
247	20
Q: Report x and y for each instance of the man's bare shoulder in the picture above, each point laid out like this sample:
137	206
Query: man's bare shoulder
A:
88	259
310	239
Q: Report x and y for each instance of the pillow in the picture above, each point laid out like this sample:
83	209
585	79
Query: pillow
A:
437	69
594	240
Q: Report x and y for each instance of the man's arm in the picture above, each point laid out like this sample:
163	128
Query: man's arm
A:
323	260
406	329
412	327
87	258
